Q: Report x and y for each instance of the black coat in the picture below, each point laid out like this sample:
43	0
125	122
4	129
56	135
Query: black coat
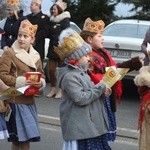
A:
55	29
42	21
11	28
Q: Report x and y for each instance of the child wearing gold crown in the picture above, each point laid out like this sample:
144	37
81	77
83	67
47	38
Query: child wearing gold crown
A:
82	114
11	26
14	64
59	20
92	33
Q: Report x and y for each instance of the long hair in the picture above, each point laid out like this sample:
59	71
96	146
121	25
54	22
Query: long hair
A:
59	9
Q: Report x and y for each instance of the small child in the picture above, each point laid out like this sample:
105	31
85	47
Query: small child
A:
82	112
92	33
15	62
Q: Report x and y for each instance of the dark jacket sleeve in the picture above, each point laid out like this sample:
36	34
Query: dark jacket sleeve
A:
134	64
3	41
44	29
65	23
145	41
12	30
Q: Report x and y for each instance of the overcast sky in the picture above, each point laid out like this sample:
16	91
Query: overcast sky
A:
123	10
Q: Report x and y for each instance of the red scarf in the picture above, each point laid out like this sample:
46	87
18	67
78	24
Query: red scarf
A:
143	106
98	62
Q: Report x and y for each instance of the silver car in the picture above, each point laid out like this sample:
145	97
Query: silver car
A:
123	38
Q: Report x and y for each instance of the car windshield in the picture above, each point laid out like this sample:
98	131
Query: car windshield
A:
126	30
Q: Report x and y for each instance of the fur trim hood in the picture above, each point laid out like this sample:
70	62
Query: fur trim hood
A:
143	78
28	58
60	17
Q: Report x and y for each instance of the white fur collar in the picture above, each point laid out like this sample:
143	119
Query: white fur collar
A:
28	58
60	17
143	78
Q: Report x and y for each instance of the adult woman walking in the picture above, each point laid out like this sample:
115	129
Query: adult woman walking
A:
15	16
59	20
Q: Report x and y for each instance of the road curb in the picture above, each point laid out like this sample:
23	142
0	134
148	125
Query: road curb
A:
122	132
128	133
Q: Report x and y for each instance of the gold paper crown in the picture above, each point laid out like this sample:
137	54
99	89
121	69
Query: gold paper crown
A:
70	44
12	2
94	26
28	28
61	4
37	1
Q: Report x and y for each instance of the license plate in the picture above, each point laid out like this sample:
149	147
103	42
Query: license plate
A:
120	53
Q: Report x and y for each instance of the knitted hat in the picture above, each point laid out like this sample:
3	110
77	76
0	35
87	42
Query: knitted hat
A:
71	45
84	50
61	4
28	28
12	5
93	26
37	1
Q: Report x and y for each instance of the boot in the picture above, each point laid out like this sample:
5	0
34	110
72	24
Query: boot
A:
52	92
59	94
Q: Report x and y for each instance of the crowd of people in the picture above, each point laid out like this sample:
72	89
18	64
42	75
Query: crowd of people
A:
77	65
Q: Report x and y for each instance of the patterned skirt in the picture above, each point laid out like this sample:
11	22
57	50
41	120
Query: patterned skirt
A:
23	123
3	128
111	135
97	143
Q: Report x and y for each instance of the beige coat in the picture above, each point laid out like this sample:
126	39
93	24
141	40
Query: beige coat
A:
142	80
144	140
14	64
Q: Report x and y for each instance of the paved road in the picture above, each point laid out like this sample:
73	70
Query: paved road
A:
127	111
51	139
48	110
